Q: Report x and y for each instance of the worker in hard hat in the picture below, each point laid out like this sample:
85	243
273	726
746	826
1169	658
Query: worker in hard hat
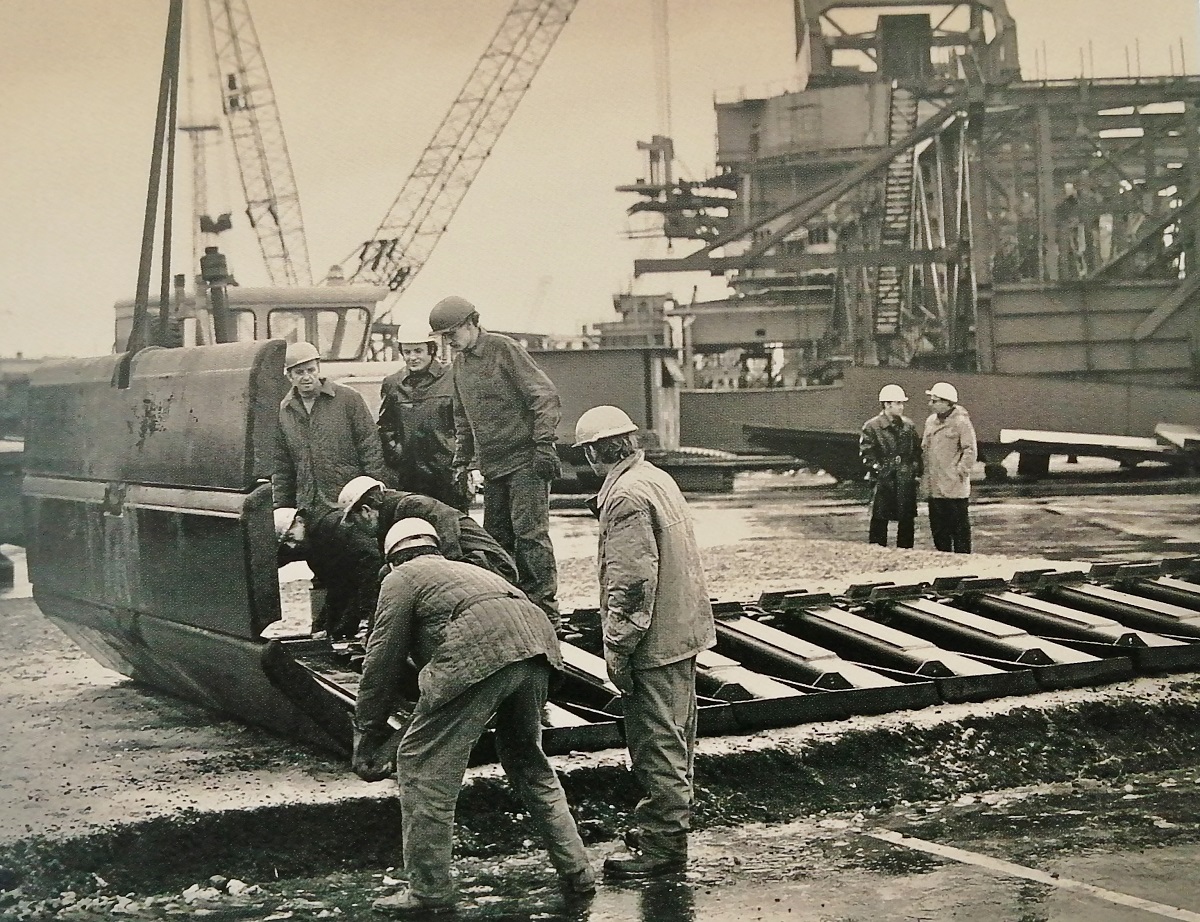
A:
416	422
483	651
656	617
890	450
506	411
949	451
326	436
344	563
369	506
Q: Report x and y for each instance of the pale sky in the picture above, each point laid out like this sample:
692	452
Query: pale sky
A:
539	243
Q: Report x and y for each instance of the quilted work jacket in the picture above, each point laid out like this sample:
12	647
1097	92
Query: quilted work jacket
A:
949	452
317	452
654	605
458	623
504	406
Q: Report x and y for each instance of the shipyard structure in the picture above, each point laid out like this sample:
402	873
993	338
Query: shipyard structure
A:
914	202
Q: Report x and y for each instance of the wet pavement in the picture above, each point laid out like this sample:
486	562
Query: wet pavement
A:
1087	850
1109	525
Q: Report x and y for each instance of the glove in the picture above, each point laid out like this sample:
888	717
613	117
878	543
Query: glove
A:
374	756
620	673
545	462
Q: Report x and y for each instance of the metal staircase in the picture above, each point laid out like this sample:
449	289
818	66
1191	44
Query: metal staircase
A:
897	212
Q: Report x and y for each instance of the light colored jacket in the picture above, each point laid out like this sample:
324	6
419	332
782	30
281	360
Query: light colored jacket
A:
654	605
317	452
948	452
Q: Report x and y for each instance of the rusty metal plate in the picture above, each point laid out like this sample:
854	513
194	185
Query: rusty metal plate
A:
200	417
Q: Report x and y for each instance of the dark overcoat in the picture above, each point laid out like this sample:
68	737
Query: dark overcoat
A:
416	426
891	453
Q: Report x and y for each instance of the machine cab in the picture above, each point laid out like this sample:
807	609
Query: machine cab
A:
334	318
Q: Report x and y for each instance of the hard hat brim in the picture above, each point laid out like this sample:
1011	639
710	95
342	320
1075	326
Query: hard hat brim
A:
606	435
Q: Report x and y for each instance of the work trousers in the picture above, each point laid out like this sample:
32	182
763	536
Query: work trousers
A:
516	512
950	525
878	533
432	759
660	731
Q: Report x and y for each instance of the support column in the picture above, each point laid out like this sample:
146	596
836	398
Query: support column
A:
982	241
1047	197
1191	128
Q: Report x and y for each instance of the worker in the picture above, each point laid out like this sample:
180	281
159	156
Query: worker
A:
948	451
416	423
656	617
891	452
506	411
483	650
368	505
344	562
326	436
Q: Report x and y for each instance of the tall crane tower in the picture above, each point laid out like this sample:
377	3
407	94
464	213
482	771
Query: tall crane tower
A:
248	101
433	191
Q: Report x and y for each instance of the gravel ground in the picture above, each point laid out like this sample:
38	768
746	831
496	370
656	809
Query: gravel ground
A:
745	570
138	787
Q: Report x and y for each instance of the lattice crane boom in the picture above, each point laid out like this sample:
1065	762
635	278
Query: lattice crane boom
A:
433	191
255	128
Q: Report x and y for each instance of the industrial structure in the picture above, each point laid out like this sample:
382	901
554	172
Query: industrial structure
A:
147	472
414	223
462	142
259	145
915	202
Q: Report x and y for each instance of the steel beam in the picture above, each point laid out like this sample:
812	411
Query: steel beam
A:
807	262
1151	615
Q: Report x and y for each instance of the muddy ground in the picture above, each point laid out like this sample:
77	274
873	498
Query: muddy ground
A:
110	789
1059	776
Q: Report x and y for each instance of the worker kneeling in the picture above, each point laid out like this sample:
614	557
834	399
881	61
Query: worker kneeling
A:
482	649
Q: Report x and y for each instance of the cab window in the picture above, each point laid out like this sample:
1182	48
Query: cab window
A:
338	334
244	326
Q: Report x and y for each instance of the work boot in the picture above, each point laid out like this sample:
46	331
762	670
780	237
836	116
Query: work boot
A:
631	864
578	886
407	903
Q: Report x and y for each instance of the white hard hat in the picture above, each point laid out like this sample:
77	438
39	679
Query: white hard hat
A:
415	333
890	393
354	491
602	423
299	353
283	520
944	391
406	529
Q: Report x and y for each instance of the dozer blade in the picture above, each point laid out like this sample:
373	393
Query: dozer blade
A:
150	538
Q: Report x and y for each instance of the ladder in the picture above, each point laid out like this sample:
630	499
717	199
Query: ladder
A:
896	230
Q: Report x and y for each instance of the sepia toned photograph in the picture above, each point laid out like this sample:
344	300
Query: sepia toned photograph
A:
639	460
